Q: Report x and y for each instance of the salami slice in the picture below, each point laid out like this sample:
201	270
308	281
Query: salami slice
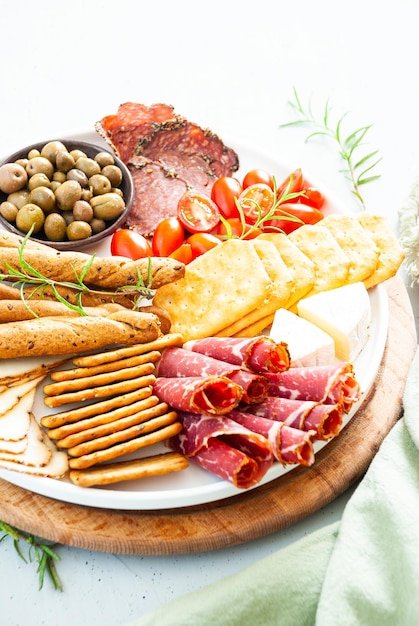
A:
289	445
327	384
176	362
324	419
258	354
224	447
212	395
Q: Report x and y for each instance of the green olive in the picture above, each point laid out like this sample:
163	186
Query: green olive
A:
113	172
61	177
8	211
33	153
54	185
49	151
55	227
43	197
86	194
107	206
83	211
22	162
97	225
30	215
76	154
104	159
64	161
79	176
88	166
100	184
38	180
40	165
67	194
78	230
18	198
12	177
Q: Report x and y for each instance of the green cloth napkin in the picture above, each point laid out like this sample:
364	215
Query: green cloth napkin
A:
361	571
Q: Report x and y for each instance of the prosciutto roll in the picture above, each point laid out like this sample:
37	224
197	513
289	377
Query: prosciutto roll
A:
178	362
289	445
324	419
327	384
213	395
258	354
224	447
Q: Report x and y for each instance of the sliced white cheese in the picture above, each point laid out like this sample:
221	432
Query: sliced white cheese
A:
308	344
343	313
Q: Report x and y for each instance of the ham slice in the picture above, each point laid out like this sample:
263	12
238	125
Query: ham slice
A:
324	419
289	445
212	395
258	354
327	384
224	447
178	362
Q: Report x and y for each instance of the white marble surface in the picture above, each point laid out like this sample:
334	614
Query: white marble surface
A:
230	66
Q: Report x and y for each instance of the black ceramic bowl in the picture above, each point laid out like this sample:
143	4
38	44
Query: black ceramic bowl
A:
91	150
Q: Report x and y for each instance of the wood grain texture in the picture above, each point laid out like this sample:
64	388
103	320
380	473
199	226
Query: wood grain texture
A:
252	514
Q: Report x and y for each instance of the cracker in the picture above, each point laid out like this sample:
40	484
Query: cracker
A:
356	243
391	255
331	265
219	287
127	447
156	465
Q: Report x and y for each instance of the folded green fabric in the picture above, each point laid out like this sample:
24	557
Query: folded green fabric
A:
361	571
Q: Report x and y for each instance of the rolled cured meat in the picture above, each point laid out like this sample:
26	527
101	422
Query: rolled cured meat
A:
327	384
211	395
258	354
178	362
289	445
224	447
324	419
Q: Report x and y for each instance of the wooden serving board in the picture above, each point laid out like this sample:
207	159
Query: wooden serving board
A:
252	514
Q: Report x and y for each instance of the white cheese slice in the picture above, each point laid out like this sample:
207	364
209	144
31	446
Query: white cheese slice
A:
308	344
344	313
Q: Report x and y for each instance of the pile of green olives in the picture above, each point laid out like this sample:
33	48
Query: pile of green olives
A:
64	195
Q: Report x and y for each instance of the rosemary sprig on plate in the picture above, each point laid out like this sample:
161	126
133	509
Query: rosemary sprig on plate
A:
357	169
38	551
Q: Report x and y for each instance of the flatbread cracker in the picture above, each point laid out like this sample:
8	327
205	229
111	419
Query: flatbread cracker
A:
391	255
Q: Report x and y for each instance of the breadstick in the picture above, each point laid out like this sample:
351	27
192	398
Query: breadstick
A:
80	372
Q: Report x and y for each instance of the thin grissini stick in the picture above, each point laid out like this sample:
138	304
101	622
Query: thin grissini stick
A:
156	465
81	372
108	273
71	335
172	339
99	392
102	419
98	380
127	434
81	413
126	447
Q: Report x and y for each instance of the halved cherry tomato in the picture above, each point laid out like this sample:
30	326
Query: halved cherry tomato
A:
201	243
197	213
293	183
236	229
256	201
285	213
183	253
312	197
168	236
224	192
258	176
129	243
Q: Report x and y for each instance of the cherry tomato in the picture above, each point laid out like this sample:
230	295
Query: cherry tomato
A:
168	236
304	215
183	253
202	242
258	176
293	183
235	229
224	192
197	213
312	197
256	201
129	243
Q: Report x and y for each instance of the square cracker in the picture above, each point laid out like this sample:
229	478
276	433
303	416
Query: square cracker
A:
331	265
218	288
391	255
278	295
356	243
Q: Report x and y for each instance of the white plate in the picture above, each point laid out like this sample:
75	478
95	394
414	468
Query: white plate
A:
196	486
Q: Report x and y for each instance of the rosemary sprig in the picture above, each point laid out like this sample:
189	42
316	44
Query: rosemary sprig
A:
38	551
357	170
